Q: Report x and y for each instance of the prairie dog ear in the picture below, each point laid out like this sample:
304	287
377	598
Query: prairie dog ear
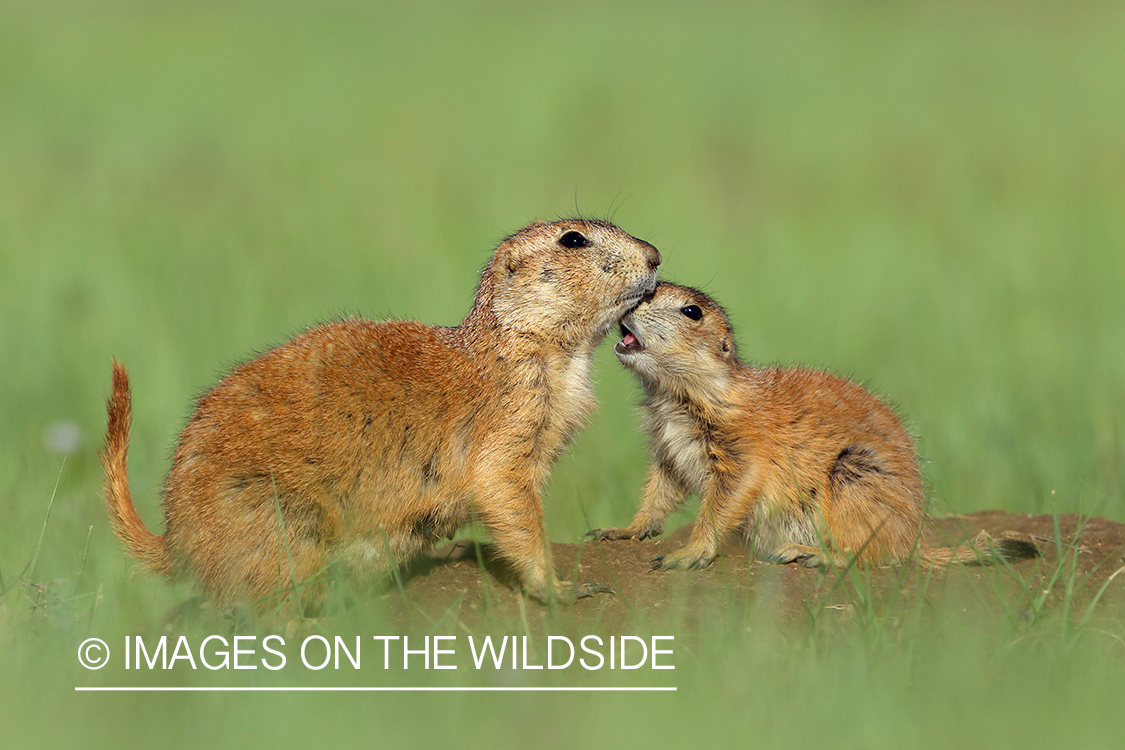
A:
515	255
510	258
726	347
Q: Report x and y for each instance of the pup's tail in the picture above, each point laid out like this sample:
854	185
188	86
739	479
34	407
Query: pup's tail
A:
983	549
141	543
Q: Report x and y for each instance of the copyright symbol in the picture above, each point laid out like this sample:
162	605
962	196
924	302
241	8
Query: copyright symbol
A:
93	653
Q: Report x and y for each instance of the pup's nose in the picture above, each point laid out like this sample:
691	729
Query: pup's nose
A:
652	256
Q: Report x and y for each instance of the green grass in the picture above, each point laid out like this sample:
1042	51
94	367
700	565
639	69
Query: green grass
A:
927	197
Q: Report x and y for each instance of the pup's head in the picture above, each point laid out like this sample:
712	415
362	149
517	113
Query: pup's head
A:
571	280
677	338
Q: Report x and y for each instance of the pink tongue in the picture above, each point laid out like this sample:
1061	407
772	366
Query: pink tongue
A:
629	339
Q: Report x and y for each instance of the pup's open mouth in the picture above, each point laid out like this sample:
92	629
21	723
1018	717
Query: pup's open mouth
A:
629	343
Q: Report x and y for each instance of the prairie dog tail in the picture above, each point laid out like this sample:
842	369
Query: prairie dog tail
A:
983	549
141	543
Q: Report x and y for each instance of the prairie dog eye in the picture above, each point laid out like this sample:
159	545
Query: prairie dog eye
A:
574	240
692	311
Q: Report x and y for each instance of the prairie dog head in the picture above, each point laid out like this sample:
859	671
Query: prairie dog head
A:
677	340
569	280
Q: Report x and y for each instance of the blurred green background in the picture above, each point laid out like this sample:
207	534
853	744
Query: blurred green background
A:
928	197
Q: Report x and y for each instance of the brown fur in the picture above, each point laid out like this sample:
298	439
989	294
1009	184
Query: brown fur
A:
808	465
364	442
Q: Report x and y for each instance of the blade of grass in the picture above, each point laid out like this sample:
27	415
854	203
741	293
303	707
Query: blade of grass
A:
29	569
288	555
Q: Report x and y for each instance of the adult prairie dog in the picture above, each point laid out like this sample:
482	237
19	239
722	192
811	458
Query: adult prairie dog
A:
809	466
363	442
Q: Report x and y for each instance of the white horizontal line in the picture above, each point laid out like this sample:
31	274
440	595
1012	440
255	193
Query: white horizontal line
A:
470	689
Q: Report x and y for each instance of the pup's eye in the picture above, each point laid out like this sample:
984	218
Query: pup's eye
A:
573	240
692	312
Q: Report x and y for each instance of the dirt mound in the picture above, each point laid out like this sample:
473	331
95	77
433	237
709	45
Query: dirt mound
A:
464	584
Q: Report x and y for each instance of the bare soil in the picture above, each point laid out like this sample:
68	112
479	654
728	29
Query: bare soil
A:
465	586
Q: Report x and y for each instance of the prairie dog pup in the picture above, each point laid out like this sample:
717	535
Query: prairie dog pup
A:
364	442
810	466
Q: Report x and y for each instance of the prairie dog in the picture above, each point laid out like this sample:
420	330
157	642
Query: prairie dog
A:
809	466
364	442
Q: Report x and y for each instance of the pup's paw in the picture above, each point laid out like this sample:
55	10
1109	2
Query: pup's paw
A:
684	559
629	532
